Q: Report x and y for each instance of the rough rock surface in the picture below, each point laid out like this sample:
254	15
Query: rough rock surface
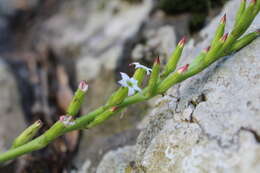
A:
11	115
97	39
209	123
117	158
213	126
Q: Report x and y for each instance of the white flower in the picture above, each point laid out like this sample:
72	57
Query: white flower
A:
138	65
67	120
130	83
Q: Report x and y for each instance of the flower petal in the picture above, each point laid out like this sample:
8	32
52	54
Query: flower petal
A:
124	76
138	65
123	83
136	88
133	81
131	91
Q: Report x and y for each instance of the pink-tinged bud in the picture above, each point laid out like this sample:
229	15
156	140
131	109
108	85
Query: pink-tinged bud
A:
224	37
182	42
223	19
206	50
258	31
83	86
183	69
62	118
157	60
66	120
114	108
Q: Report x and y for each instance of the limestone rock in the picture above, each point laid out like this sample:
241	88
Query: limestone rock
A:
210	122
215	122
159	41
117	161
98	39
222	127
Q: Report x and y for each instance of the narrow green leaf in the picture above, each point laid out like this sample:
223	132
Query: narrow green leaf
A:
77	99
154	77
118	97
220	31
240	11
27	134
139	76
174	59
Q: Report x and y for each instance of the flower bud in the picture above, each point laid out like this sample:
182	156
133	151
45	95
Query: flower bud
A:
223	19
183	69
27	134
224	37
215	52
220	31
77	99
174	59
83	86
66	120
182	42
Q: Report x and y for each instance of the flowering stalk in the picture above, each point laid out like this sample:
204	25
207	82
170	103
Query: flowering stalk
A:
158	84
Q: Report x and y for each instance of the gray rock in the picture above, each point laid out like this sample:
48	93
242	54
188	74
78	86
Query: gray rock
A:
159	41
11	117
117	161
215	134
215	122
210	122
98	39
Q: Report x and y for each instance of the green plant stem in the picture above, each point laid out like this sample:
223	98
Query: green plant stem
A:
59	129
171	78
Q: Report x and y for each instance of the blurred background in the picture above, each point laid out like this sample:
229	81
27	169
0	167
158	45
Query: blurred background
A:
48	46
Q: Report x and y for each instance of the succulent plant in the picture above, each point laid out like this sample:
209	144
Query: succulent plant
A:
131	90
